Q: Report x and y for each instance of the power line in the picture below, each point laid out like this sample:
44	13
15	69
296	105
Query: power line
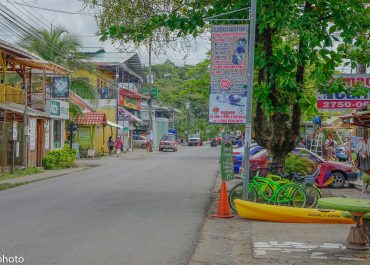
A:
55	10
16	22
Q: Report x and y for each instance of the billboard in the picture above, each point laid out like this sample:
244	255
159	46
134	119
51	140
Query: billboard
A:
342	100
60	87
228	92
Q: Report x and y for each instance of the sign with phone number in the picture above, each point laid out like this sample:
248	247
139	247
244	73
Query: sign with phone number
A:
342	100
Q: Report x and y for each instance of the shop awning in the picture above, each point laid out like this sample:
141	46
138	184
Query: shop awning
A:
131	94
17	108
91	118
125	115
359	118
115	125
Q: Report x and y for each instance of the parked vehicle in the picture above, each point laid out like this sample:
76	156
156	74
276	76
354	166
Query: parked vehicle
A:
194	139
342	172
168	142
214	142
138	141
238	155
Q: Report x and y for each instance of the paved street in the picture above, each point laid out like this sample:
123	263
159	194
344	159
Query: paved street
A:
139	211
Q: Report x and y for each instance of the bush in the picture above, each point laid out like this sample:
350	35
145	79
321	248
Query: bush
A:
57	159
298	164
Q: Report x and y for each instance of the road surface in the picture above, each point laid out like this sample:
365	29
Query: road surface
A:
134	212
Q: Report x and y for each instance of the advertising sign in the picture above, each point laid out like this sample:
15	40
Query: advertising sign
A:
227	161
84	136
228	95
32	134
60	87
58	109
343	100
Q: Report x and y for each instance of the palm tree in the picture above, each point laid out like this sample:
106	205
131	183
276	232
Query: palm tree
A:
58	46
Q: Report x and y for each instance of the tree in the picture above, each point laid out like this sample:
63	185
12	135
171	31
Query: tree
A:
292	35
58	46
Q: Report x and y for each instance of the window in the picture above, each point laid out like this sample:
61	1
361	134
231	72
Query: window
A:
57	134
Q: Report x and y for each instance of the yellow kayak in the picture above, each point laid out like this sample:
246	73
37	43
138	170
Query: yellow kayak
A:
273	213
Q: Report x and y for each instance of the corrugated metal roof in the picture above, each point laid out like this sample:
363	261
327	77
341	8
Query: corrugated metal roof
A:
17	50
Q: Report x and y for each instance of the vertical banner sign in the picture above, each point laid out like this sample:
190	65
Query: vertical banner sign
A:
228	94
342	100
227	161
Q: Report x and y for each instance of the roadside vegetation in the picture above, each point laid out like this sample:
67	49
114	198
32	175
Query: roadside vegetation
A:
20	173
59	159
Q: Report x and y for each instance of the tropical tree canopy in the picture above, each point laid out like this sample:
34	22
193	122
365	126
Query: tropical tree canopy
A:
295	44
58	46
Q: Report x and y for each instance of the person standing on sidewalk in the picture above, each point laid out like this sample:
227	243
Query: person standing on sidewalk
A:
110	145
149	142
118	145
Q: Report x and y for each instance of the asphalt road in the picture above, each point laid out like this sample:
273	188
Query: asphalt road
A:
134	212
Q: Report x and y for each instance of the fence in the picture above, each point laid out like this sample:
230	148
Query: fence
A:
11	94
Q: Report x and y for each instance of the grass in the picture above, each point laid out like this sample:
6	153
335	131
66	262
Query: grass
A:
6	186
20	173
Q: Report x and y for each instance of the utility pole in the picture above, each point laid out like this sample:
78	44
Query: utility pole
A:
117	97
188	117
248	125
151	120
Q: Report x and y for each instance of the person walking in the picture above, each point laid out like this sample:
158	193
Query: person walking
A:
330	146
147	142
110	145
118	145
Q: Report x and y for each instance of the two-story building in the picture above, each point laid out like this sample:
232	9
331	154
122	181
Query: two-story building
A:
32	110
117	77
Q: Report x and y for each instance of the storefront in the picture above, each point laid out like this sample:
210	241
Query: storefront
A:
54	130
128	121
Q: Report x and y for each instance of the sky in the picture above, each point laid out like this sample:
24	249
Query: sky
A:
86	27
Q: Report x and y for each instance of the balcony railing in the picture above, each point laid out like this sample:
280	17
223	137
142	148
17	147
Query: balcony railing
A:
11	94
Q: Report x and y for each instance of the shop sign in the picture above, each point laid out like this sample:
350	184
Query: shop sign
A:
227	161
58	109
47	134
84	136
228	94
32	134
342	100
146	92
131	103
60	87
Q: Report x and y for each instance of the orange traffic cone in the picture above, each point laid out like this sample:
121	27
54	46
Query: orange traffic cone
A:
223	209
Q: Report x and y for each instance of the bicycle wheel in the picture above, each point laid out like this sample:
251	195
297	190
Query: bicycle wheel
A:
313	195
291	195
237	193
265	191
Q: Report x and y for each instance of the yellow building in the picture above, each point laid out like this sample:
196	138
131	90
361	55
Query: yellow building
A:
109	72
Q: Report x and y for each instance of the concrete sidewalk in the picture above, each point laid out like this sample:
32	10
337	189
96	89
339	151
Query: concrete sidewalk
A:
44	175
237	241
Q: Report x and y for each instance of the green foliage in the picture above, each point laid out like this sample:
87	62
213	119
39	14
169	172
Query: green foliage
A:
58	46
84	89
58	159
20	173
298	164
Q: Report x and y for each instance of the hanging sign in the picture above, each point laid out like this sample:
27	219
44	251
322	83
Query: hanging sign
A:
342	100
227	160
32	134
228	95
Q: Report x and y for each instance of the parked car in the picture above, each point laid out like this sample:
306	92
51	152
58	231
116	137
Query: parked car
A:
168	142
194	139
138	141
342	172
238	155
